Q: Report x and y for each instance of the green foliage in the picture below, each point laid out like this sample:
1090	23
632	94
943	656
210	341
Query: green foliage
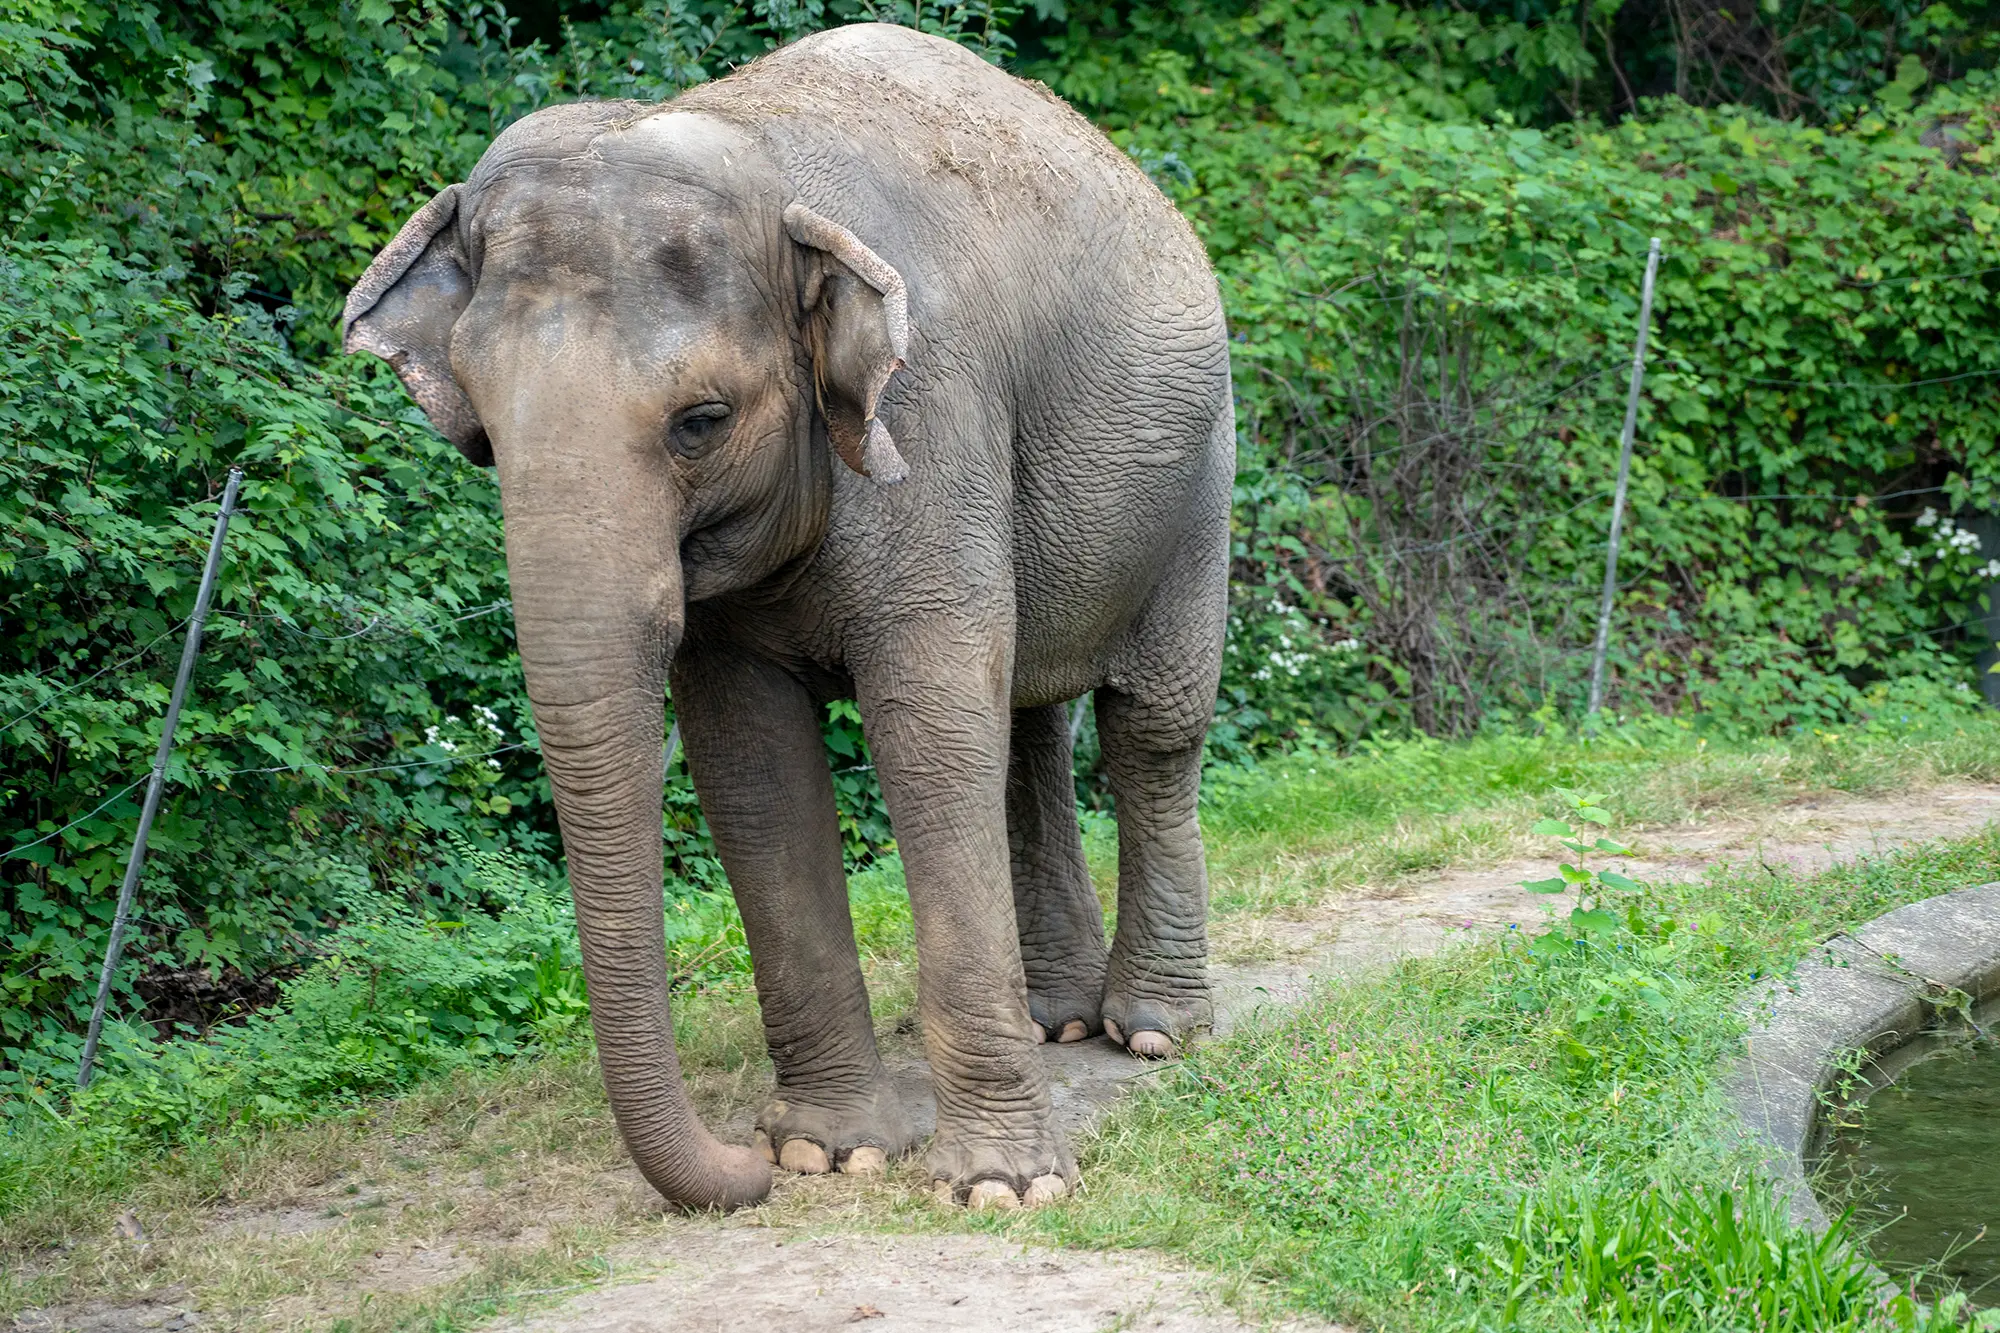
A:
1816	436
1589	919
394	997
1698	1259
359	620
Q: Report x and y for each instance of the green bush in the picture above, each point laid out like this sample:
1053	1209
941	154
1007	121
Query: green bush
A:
393	997
1433	322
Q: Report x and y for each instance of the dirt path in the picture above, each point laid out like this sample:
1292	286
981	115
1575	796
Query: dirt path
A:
761	1273
973	1283
725	1282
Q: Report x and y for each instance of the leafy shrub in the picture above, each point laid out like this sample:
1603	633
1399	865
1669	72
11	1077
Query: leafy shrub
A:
395	996
1820	406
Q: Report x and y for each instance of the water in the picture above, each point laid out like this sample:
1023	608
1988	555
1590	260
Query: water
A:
1921	1159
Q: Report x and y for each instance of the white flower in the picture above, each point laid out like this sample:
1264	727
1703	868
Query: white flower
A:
1347	646
493	763
1928	517
1992	569
449	718
447	747
431	735
1906	558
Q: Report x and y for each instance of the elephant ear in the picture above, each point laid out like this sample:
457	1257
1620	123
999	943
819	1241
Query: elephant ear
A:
858	312
403	310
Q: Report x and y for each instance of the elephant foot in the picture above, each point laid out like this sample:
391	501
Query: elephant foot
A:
856	1136
1156	1022
1065	1008
983	1172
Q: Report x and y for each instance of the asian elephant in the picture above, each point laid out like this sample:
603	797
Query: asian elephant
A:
867	372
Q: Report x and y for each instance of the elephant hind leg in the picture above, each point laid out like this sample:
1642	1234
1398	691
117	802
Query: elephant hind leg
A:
1152	717
1055	904
1157	991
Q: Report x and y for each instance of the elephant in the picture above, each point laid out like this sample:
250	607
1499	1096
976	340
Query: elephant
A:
866	372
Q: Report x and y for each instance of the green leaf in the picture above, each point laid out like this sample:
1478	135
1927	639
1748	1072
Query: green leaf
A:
1551	945
1593	814
1544	885
1554	828
1611	879
1615	848
1596	922
1574	875
1900	92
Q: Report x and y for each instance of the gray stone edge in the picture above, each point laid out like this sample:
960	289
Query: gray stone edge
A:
1871	989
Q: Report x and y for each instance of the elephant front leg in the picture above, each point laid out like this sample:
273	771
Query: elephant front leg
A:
1055	905
759	764
937	717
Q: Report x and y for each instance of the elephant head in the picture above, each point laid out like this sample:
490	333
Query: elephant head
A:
628	313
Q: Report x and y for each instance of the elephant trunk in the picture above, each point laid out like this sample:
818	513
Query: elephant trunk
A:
597	606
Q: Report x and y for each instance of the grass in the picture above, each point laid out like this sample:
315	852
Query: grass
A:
1288	832
1490	1138
1433	1148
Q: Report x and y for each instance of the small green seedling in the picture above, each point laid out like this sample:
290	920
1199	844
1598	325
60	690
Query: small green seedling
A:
1588	919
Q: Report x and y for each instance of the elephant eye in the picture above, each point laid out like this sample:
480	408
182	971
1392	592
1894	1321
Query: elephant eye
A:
700	428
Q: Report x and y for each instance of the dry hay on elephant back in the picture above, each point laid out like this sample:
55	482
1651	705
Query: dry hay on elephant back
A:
942	124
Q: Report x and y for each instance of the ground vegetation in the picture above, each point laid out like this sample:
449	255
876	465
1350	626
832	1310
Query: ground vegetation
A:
1429	225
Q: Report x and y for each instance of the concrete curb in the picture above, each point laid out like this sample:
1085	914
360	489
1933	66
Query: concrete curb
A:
1871	990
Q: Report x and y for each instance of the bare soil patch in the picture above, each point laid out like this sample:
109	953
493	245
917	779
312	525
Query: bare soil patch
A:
727	1280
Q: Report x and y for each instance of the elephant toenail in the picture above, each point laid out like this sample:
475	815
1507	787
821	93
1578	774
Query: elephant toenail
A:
803	1156
1151	1045
1041	1034
762	1143
1111	1031
1074	1030
867	1160
944	1191
995	1194
1045	1189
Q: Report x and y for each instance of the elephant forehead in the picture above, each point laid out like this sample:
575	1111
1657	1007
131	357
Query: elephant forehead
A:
695	149
608	222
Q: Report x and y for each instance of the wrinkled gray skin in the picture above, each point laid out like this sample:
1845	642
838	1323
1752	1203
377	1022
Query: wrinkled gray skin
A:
670	328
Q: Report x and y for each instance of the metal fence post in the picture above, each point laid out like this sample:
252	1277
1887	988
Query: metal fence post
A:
137	860
1624	476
